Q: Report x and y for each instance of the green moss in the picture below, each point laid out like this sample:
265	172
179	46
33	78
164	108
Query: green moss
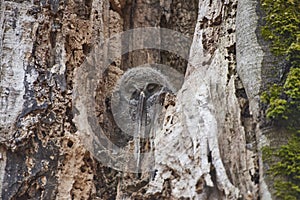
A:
286	168
292	85
276	105
282	28
282	25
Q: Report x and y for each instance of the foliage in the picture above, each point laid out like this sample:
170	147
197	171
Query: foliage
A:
282	28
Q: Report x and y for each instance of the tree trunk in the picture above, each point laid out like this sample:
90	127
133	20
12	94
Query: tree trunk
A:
66	133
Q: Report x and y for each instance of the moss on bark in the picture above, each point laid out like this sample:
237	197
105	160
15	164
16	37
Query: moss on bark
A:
282	28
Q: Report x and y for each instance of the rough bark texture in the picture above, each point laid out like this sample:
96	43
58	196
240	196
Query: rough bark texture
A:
56	85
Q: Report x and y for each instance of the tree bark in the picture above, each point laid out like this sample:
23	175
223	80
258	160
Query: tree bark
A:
58	127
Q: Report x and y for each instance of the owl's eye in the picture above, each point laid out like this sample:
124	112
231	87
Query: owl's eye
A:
152	87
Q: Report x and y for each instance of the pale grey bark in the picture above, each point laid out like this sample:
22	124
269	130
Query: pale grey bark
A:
250	57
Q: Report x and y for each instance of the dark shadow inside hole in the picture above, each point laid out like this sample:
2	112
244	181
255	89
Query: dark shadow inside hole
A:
70	143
